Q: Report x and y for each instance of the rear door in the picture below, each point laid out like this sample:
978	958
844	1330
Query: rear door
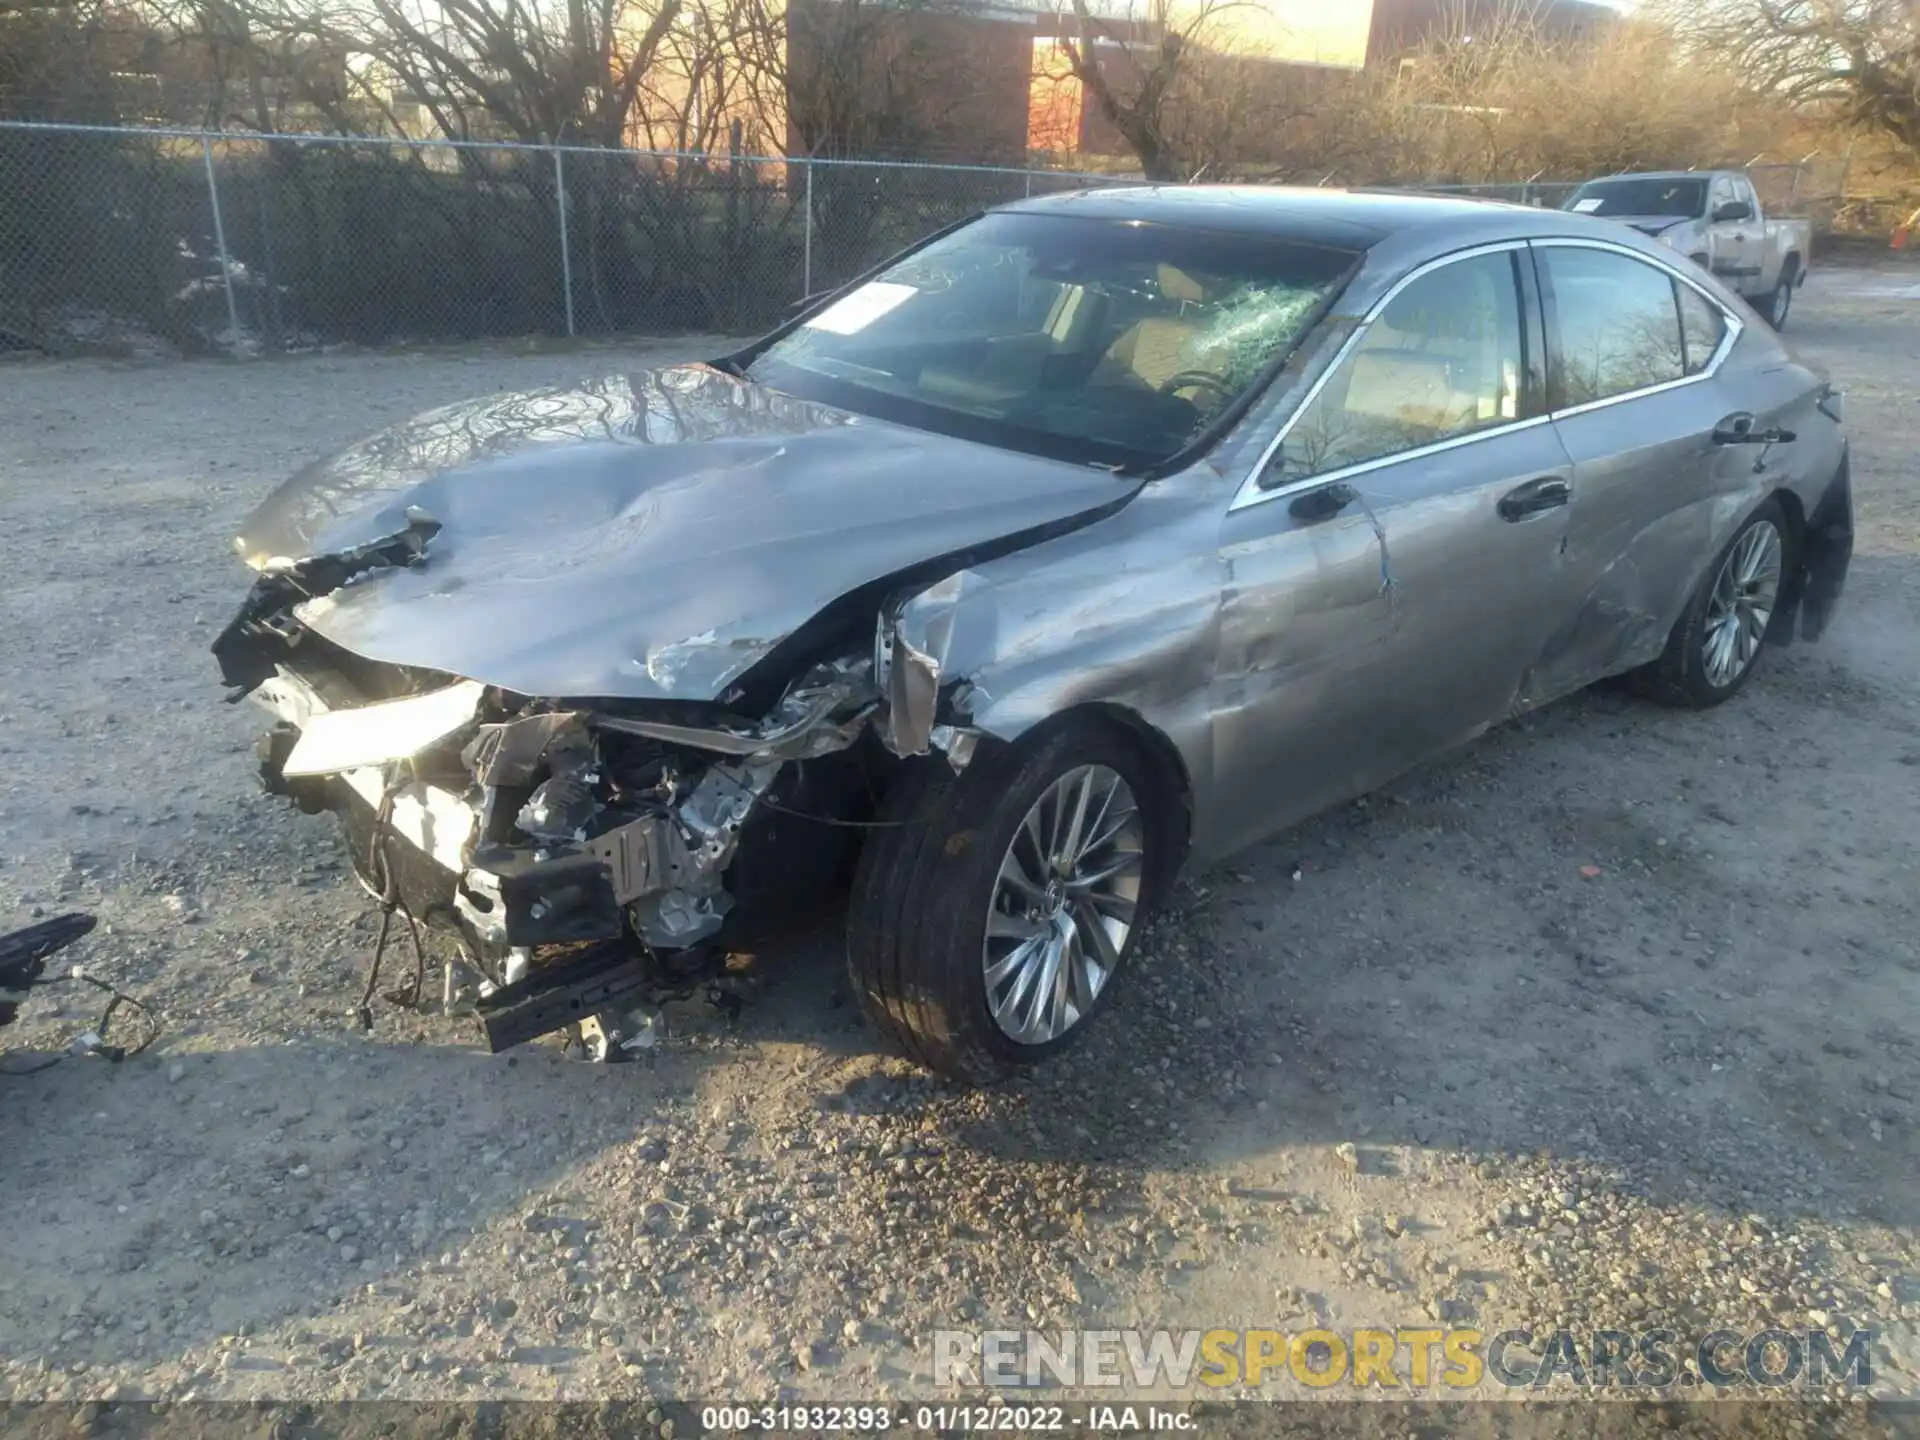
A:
1634	349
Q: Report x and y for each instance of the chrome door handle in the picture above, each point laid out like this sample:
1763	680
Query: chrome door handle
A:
1738	429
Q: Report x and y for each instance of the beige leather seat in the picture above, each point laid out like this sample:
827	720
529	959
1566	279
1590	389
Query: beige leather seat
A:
1408	389
1155	350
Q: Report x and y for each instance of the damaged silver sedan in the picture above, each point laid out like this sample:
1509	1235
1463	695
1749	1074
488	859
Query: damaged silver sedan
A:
1097	536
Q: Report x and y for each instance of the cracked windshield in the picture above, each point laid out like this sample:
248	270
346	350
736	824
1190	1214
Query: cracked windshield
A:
1086	339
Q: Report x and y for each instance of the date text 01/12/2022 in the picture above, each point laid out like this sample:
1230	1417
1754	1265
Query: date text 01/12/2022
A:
944	1419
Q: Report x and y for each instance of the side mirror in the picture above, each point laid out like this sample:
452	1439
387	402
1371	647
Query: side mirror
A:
1313	506
1733	210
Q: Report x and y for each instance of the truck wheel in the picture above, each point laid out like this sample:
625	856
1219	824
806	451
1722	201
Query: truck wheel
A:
1776	305
993	916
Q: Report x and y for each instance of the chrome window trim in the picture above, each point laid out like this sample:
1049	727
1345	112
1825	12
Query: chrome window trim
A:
1735	327
1250	492
1328	477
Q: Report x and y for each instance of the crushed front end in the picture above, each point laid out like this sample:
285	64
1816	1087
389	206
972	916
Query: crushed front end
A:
587	859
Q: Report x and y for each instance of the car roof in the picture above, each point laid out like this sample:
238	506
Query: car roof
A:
1349	219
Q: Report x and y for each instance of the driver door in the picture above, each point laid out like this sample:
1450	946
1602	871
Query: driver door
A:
1389	570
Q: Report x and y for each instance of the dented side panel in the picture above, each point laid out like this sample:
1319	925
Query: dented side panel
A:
1120	614
1655	500
1647	483
1356	645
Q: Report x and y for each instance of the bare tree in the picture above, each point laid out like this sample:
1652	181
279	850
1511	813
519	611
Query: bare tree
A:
1130	68
246	64
712	81
585	71
873	78
1199	89
1857	60
1500	93
60	60
520	68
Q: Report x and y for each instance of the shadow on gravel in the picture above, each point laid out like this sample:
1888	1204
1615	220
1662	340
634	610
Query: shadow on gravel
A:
1678	948
299	1174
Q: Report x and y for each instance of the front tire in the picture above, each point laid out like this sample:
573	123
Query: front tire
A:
992	920
1716	645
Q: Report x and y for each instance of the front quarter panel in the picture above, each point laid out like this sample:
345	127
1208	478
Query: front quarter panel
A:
1121	614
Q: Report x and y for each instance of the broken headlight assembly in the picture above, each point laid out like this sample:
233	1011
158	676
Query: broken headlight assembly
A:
580	859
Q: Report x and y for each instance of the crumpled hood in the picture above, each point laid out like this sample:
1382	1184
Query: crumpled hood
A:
643	537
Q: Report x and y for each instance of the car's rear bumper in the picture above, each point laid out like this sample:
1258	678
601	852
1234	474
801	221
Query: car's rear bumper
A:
1826	553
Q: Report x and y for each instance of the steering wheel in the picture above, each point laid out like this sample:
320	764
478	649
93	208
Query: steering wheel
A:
1195	380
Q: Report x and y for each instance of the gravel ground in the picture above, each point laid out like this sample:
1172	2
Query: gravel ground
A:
1609	1019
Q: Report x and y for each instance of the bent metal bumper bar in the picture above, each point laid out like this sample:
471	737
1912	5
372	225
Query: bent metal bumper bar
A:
660	872
584	985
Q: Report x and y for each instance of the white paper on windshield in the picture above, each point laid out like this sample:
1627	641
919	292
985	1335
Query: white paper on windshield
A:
1589	205
853	313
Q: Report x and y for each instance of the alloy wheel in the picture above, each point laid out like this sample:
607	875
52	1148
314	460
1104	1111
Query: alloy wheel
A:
1063	904
1744	594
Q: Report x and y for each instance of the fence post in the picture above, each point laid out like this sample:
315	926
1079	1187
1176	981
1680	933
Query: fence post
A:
806	239
220	242
566	251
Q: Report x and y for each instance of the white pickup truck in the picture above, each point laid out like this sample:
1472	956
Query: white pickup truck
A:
1713	217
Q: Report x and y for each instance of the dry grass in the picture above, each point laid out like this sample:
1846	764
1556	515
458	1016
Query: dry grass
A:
1506	102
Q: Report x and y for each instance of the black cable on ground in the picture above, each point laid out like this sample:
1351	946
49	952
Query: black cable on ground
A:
385	886
117	1000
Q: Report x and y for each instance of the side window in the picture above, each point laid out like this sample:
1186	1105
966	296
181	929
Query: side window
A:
1443	359
1617	321
1703	325
1719	195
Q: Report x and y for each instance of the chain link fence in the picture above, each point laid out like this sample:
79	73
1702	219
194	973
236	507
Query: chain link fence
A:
188	242
174	241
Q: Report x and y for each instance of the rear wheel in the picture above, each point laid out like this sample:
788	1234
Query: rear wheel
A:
994	918
1717	643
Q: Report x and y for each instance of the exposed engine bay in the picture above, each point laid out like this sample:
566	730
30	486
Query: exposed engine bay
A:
589	861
